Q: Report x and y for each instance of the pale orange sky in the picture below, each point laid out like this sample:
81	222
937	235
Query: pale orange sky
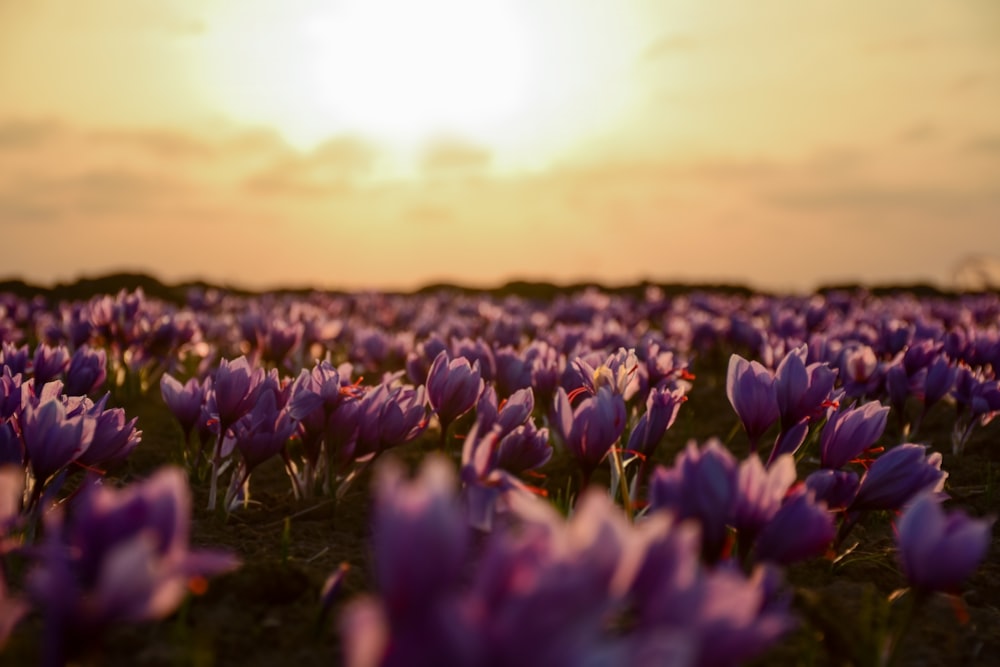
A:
387	144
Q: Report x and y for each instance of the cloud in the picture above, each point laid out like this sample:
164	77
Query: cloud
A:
19	134
159	143
430	214
334	166
919	133
988	144
920	202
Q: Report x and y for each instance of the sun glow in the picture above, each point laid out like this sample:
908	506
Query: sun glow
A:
399	71
505	75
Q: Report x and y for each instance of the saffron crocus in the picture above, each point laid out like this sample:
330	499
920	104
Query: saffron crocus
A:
725	617
114	438
898	475
453	386
590	430
836	488
52	439
184	401
48	363
701	485
759	494
388	416
662	405
939	551
513	412
525	447
121	556
751	392
618	373
259	435
801	528
848	433
86	372
234	390
801	390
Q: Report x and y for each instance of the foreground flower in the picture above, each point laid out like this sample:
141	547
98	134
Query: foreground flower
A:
751	392
453	387
938	550
121	556
592	428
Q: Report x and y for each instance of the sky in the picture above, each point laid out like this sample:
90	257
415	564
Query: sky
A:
387	144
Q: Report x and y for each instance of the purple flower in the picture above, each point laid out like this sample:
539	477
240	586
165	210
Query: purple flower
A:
726	617
120	556
938	550
802	528
701	485
526	447
183	401
14	357
113	439
847	433
510	414
592	428
759	494
836	488
48	363
420	538
453	386
388	417
234	391
898	475
52	439
751	392
662	406
259	435
618	373
802	390
86	372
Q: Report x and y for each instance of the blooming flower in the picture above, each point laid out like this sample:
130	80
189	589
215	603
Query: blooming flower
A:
119	556
453	386
847	433
938	550
751	392
592	428
898	475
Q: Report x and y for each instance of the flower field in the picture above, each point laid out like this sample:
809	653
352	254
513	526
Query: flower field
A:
580	477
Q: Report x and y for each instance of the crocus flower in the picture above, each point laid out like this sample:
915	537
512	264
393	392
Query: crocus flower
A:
898	475
524	448
453	386
847	433
512	413
701	485
10	393
86	372
388	416
618	373
751	392
259	435
52	440
114	438
183	400
662	405
48	363
801	528
759	494
234	391
592	428
836	488
939	551
120	556
801	390
15	358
